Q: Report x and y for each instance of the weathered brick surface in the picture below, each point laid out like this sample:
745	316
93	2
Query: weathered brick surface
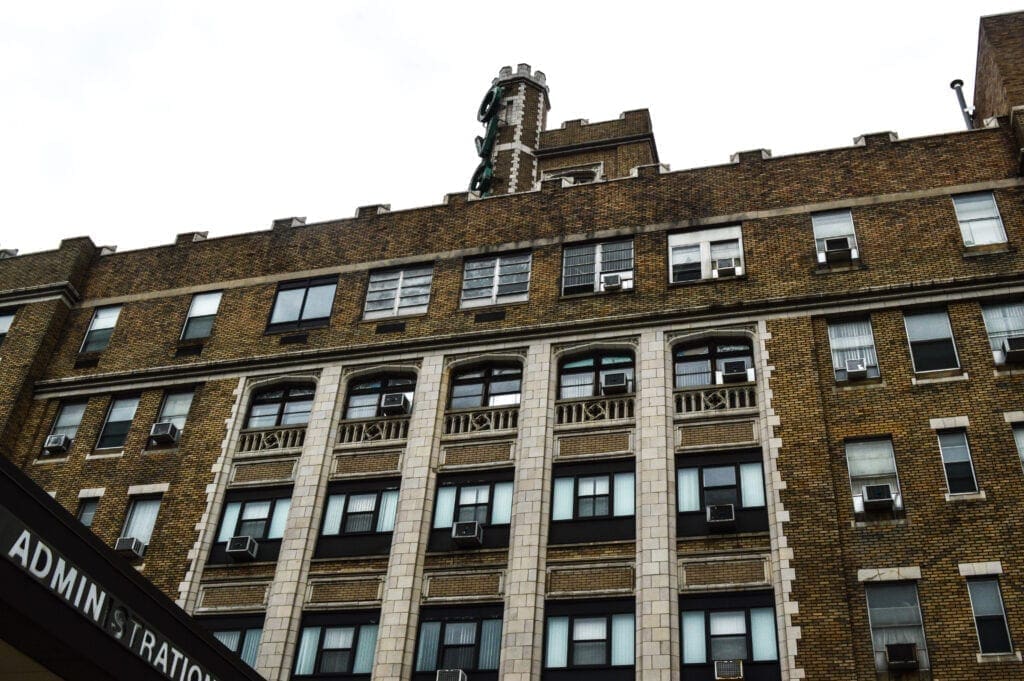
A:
491	452
345	591
263	471
598	443
716	434
717	573
999	78
590	579
233	596
382	462
477	584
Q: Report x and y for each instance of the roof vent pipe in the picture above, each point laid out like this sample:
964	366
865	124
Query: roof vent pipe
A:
958	85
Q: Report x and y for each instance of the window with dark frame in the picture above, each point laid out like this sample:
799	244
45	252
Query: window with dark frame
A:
69	417
717	480
175	408
584	266
365	394
336	645
593	502
591	635
584	375
201	313
956	459
485	498
303	304
140	520
257	513
468	639
118	422
894	615
6	318
359	518
490	385
241	635
281	405
705	362
931	341
101	327
990	616
719	627
87	510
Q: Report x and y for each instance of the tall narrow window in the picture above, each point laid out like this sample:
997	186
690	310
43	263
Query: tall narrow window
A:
1018	438
118	423
895	619
956	458
303	304
496	279
931	341
281	406
834	236
989	616
141	520
87	510
5	324
979	219
1005	325
69	416
853	349
395	293
336	645
872	463
605	266
201	313
104	319
175	409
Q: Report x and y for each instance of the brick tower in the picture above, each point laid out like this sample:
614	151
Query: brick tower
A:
523	116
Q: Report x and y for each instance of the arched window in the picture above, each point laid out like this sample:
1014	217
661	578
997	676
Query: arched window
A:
596	373
366	396
281	406
716	360
490	385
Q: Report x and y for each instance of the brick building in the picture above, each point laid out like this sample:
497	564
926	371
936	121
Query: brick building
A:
761	420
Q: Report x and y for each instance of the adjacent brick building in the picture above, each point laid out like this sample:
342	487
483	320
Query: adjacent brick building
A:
607	421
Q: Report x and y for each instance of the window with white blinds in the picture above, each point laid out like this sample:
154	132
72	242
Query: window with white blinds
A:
496	279
852	339
589	268
395	293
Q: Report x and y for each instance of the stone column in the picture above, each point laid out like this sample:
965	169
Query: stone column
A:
523	627
284	605
396	642
657	591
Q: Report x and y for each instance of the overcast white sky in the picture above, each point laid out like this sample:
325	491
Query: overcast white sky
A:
132	121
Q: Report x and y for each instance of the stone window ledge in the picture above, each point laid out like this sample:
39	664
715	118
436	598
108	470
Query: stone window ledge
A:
939	379
993	658
49	459
969	496
105	454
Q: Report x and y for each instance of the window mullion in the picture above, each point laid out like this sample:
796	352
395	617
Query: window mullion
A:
496	277
396	305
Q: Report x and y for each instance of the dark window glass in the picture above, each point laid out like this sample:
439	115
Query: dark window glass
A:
101	327
956	458
496	385
87	510
705	363
334	645
5	324
281	406
931	341
453	641
201	313
581	376
118	423
589	635
303	304
365	394
989	616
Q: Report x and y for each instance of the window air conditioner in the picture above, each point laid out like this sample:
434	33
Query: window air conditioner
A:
728	669
721	516
56	444
856	368
901	655
394	404
614	383
242	548
129	547
735	371
164	433
726	267
1013	349
468	534
611	282
877	497
839	249
451	675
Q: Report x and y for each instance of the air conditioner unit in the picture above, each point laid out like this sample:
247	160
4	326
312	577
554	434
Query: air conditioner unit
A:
129	547
56	444
856	368
877	497
394	404
615	383
728	669
242	548
726	267
611	282
721	516
901	656
839	249
1013	349
451	675
164	433
735	371
468	534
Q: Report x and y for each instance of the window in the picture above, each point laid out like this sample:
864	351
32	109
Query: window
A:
466	639
118	423
494	385
1002	322
1018	438
394	293
852	340
834	235
584	174
956	458
588	635
257	513
585	266
303	304
709	362
334	645
485	499
931	341
5	324
201	313
989	616
581	376
142	513
240	635
358	519
497	279
365	394
281	406
735	480
592	502
87	510
175	409
979	219
736	626
68	417
707	254
100	328
895	617
872	462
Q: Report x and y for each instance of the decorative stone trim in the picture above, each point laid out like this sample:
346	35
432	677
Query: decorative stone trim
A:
611	579
349	591
896	574
951	422
263	471
992	567
693	572
463	586
157	488
233	597
91	492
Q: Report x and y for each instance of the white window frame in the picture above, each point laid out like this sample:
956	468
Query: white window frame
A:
598	272
944	452
910	342
831	225
855	490
398	292
997	336
144	534
494	298
704	239
162	416
1002	606
966	230
200	300
108	323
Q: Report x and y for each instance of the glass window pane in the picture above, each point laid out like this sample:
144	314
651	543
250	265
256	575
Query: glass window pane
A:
426	653
308	645
319	301
287	306
561	506
332	515
123	409
230	639
363	663
752	485
925	326
729	648
985	597
725	623
142	519
277	523
589	628
688	482
624	486
68	418
832	224
445	512
251	646
204	304
490	644
622	639
339	637
557	642
762	634
694	642
388	508
718	476
501	511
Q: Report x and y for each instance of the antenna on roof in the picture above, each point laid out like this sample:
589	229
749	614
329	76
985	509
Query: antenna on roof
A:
958	85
